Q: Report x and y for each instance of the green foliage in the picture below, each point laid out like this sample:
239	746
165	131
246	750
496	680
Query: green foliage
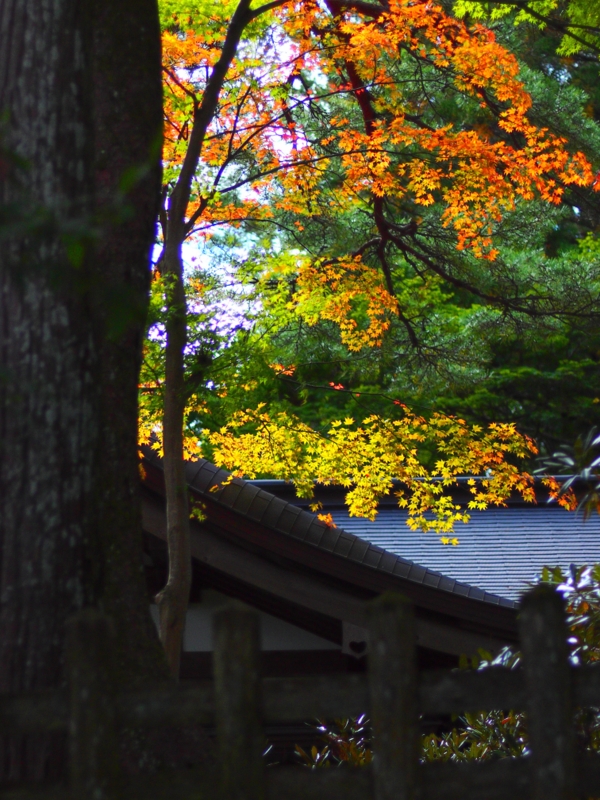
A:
577	20
346	741
581	462
481	737
198	14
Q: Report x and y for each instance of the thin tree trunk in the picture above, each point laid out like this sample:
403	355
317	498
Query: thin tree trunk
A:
173	600
69	529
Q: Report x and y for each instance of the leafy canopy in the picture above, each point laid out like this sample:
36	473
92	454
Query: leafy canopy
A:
367	178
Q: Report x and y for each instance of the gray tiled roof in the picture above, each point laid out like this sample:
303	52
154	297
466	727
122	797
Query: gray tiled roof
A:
500	550
255	503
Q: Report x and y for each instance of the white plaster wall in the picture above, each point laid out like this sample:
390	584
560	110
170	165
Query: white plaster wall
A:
275	634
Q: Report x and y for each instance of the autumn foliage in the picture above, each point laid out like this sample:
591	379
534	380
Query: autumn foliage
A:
337	108
387	149
367	458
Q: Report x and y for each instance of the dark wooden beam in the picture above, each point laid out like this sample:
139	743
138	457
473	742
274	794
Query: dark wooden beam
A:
220	553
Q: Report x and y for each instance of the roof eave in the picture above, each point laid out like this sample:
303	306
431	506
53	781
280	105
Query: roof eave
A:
269	524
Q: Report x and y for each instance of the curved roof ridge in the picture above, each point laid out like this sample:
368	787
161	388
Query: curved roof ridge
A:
264	508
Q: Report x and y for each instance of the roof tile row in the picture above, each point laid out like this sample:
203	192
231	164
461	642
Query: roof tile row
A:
501	551
262	507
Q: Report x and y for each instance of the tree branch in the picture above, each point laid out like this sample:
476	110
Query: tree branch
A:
182	86
203	116
256	12
552	22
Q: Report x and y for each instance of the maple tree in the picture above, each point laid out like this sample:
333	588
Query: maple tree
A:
368	457
406	130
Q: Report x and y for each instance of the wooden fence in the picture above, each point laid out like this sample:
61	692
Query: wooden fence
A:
238	702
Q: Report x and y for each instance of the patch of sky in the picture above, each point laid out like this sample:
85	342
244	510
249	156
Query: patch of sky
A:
230	306
226	306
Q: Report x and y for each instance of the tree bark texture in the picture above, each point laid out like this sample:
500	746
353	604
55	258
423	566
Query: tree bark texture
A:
70	533
128	133
173	600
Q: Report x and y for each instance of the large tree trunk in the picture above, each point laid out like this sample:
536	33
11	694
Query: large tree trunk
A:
128	135
70	533
49	404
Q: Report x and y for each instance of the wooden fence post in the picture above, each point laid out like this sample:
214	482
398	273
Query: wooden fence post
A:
393	695
94	768
240	736
549	694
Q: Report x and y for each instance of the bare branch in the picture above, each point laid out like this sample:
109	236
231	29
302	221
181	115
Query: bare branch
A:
181	85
